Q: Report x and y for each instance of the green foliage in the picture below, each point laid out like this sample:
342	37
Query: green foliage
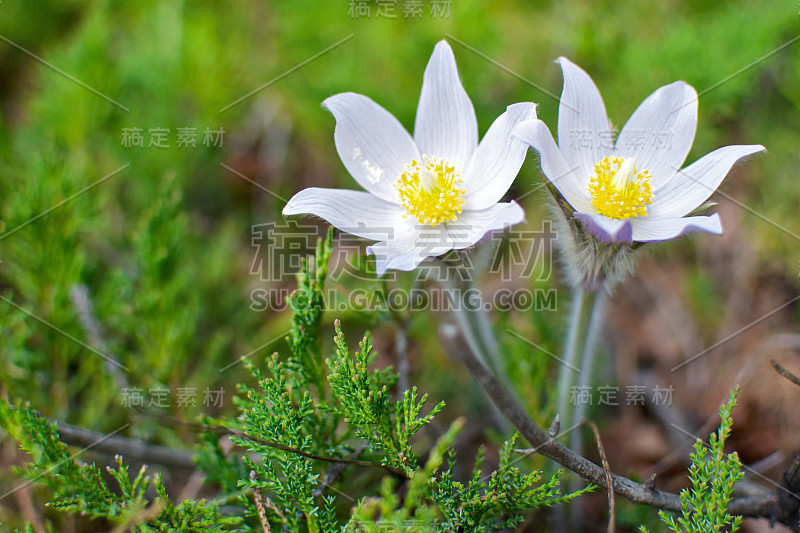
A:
435	501
160	247
499	502
416	512
713	475
142	241
82	489
364	400
306	450
307	305
357	417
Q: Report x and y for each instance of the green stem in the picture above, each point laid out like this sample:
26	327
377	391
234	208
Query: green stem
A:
471	316
465	321
465	324
476	326
585	322
581	302
482	323
587	360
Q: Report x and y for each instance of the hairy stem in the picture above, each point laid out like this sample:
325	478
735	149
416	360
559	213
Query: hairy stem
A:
474	322
582	302
587	360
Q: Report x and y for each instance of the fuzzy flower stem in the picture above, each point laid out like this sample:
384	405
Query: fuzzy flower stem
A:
472	316
479	316
466	324
474	322
581	302
588	358
566	375
485	331
593	312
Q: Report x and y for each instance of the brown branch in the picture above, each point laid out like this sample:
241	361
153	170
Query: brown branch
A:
753	506
783	372
335	472
612	519
342	460
791	478
223	430
115	444
154	454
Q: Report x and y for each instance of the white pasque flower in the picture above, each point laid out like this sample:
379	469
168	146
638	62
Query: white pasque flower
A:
428	194
634	189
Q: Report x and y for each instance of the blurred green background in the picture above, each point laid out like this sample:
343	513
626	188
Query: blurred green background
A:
163	246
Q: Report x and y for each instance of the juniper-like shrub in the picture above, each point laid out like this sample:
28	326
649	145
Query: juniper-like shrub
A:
713	474
324	443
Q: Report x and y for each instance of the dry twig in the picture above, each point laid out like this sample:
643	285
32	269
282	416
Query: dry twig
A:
612	520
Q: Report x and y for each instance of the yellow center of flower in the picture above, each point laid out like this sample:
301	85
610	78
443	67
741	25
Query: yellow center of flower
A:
430	190
618	190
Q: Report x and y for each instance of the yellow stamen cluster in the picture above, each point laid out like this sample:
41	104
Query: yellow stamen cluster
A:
430	190
618	190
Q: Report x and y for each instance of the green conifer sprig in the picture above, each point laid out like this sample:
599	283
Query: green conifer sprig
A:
496	501
305	433
81	489
713	475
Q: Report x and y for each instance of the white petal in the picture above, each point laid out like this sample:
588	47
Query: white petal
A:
471	226
569	181
606	229
355	212
649	230
660	132
446	126
409	250
413	248
692	186
497	160
372	144
583	133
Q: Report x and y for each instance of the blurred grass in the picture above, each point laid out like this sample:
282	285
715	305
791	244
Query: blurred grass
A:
164	247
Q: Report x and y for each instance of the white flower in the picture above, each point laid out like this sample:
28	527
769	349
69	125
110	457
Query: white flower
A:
428	194
631	190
